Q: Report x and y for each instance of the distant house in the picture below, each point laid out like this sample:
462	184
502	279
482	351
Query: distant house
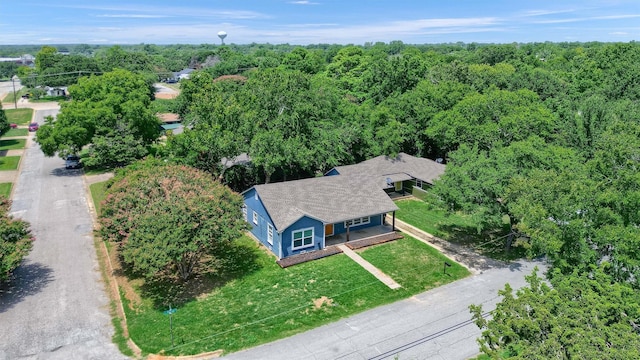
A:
56	91
170	121
295	217
399	174
183	74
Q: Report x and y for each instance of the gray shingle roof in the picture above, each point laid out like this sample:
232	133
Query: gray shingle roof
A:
330	199
382	167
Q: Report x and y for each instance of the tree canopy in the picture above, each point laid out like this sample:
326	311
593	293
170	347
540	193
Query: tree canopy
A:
107	108
169	221
15	240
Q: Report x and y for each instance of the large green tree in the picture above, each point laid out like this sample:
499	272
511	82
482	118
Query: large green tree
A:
580	316
4	123
169	220
15	240
101	105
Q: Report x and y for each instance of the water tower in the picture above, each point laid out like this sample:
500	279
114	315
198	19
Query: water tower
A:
222	35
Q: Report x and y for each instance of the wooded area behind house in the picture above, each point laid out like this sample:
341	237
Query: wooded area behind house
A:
544	137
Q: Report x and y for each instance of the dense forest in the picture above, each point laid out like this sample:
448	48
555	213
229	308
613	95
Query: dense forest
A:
542	136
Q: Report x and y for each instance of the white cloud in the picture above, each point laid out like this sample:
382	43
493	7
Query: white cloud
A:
133	16
618	33
592	18
303	2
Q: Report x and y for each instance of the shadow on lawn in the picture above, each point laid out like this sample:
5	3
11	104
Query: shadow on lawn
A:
233	261
490	242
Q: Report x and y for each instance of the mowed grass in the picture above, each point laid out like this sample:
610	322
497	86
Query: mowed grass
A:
414	265
9	162
12	144
5	189
16	132
268	303
456	228
98	194
19	116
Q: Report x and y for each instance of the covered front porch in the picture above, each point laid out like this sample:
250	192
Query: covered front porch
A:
358	234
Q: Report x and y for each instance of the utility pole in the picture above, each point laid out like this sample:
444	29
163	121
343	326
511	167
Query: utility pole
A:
15	101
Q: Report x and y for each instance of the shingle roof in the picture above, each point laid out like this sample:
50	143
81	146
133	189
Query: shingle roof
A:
382	167
330	199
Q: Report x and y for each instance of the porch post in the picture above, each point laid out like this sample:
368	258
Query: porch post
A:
347	232
393	224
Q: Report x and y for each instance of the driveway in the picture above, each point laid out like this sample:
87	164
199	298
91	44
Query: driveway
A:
56	306
433	325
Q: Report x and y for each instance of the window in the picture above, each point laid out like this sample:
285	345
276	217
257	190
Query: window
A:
302	238
255	218
358	221
244	212
270	234
419	183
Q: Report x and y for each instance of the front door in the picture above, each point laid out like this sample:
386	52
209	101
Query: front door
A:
398	185
328	230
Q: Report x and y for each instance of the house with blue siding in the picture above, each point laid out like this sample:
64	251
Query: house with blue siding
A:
296	217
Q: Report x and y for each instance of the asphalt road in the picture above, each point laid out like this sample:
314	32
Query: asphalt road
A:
433	325
56	306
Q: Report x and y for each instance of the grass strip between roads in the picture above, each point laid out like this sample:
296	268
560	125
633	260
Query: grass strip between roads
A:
9	162
19	116
254	301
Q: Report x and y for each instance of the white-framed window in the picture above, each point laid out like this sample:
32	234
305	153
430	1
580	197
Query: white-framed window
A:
358	221
419	183
302	238
270	234
244	212
255	218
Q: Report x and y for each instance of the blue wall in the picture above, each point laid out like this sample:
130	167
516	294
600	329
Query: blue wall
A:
260	230
339	228
303	223
332	172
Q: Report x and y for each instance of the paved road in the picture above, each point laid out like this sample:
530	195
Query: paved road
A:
56	307
432	325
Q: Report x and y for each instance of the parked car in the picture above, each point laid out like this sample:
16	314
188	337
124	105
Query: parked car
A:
33	127
13	126
72	162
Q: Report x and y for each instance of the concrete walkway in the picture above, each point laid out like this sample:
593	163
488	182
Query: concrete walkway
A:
384	278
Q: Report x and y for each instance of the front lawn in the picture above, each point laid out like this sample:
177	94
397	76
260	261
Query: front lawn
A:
16	132
413	264
9	162
264	302
19	116
456	228
5	189
12	144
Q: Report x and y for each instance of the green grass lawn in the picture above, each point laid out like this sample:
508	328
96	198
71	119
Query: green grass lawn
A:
10	98
456	228
9	162
264	303
97	194
12	144
413	264
5	189
19	116
16	132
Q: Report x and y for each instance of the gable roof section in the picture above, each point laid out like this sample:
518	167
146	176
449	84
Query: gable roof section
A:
330	199
397	169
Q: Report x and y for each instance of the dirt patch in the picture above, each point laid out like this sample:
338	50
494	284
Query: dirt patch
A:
166	95
209	355
323	300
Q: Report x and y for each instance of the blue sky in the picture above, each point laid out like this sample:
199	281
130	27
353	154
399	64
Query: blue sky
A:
316	21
